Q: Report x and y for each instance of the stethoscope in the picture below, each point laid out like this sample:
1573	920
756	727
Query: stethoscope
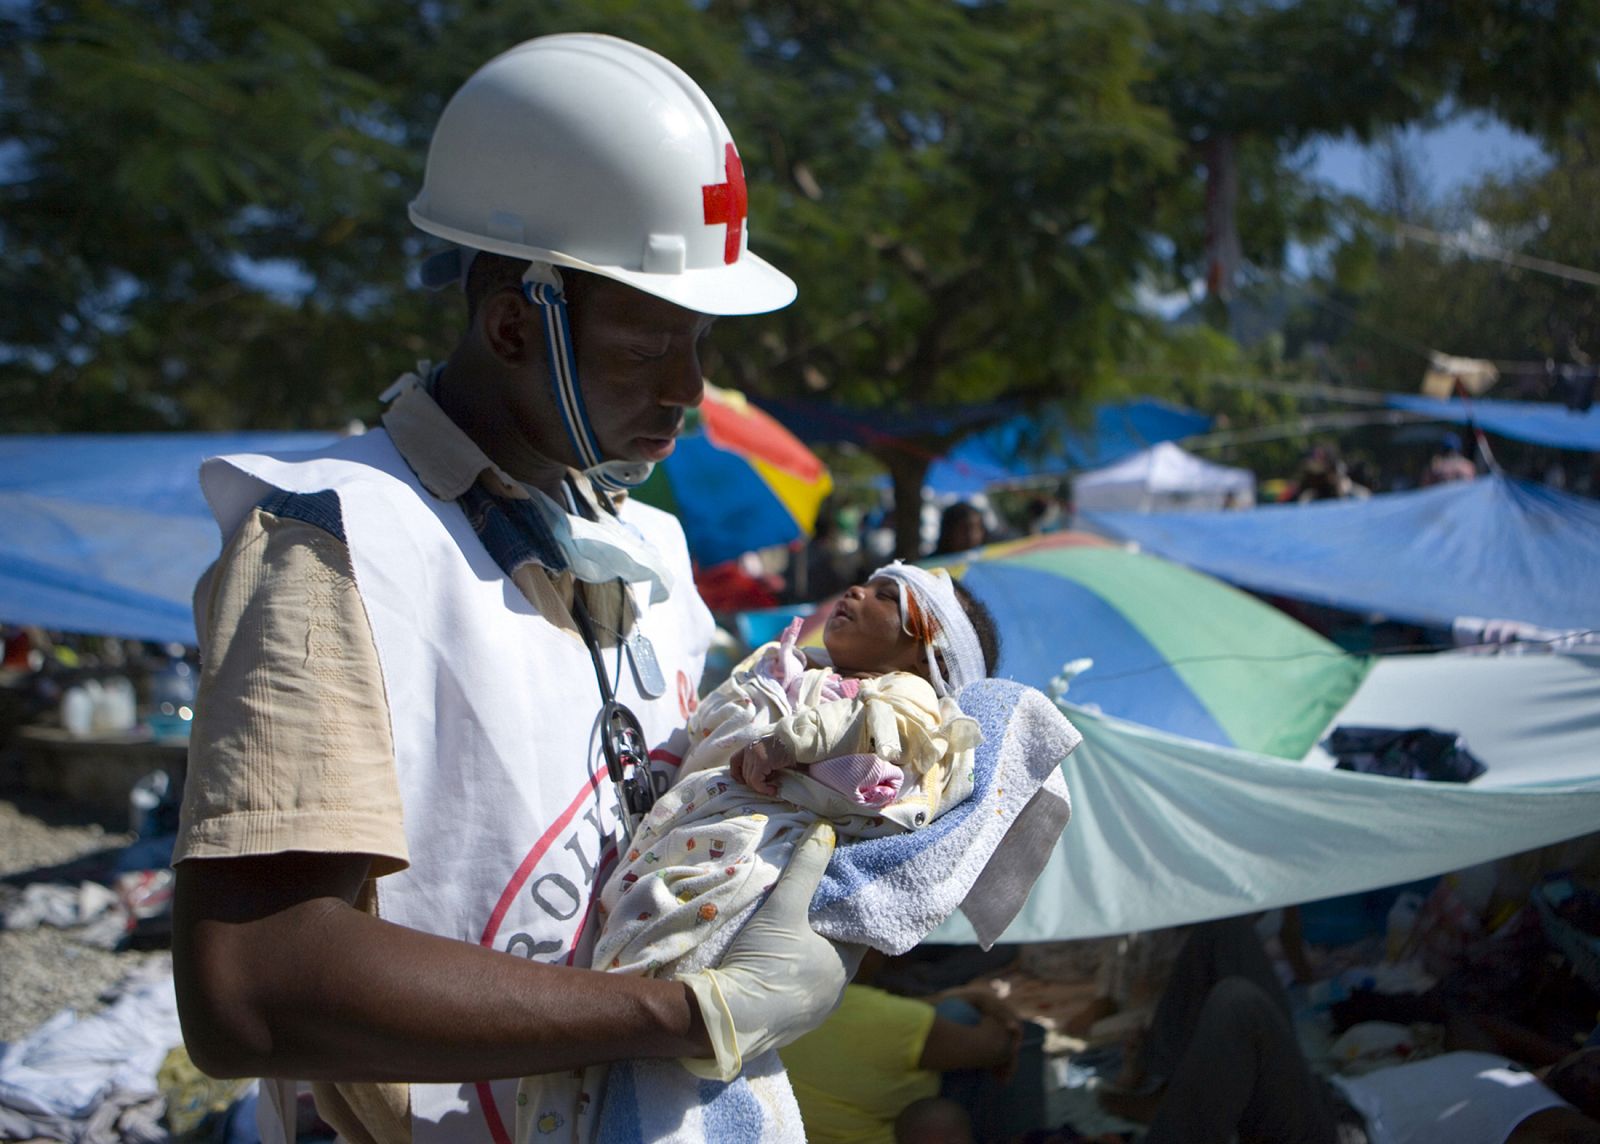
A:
622	740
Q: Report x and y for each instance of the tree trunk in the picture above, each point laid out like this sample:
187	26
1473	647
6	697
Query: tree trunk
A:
1222	224
907	470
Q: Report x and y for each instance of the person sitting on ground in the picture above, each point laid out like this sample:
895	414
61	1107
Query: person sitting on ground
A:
1222	1058
1243	1077
887	1068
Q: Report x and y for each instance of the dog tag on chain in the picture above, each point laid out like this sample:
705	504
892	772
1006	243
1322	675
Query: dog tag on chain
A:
646	668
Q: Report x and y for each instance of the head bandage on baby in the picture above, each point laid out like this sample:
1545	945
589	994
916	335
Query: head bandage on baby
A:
954	638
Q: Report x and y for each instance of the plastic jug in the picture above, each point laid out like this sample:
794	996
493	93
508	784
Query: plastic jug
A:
172	701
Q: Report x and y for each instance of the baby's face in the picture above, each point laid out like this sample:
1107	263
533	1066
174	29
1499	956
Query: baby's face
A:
863	633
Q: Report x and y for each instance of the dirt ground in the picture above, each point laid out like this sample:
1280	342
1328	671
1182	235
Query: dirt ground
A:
44	969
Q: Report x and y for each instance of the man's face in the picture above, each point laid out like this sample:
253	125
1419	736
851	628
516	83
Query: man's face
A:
864	632
639	366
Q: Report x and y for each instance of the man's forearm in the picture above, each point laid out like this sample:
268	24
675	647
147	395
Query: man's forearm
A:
951	1045
321	991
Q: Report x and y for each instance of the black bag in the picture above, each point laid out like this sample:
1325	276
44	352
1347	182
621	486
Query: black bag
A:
1412	753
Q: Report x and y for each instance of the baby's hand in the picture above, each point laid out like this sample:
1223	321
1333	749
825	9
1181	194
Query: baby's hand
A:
756	764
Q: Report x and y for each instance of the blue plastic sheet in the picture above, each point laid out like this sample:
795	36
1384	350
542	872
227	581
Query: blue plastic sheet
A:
1541	422
1494	548
1050	445
108	534
1015	447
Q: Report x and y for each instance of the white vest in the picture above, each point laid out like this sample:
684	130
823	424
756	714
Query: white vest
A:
509	816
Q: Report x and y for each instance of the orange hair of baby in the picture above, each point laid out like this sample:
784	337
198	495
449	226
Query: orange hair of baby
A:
919	625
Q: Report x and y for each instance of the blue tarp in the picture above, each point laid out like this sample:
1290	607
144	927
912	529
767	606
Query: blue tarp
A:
820	422
1016	446
1495	548
107	534
1049	444
1541	422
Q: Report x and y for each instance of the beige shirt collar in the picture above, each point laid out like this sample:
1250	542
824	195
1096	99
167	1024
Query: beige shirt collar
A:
445	459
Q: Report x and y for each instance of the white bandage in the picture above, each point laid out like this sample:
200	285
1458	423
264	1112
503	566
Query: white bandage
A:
954	637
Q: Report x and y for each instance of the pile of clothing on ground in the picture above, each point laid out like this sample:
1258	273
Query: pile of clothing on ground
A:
118	1075
122	1076
113	899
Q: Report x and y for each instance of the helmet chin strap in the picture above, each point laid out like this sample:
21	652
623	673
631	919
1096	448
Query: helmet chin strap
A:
541	285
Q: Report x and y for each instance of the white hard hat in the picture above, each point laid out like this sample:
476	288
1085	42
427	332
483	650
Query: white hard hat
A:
591	152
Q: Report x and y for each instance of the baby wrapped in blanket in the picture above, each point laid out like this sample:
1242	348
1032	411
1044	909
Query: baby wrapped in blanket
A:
872	742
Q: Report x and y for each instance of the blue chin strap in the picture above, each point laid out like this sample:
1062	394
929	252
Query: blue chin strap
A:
541	285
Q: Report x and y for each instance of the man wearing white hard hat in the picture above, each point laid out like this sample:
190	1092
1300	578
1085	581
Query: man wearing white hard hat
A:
444	661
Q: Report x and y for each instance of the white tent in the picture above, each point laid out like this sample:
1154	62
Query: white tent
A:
1159	478
1167	830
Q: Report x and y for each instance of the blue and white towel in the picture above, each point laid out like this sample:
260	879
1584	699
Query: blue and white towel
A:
890	893
981	856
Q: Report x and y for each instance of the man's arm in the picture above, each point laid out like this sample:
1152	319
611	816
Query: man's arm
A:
1486	1033
1556	1126
278	974
990	1044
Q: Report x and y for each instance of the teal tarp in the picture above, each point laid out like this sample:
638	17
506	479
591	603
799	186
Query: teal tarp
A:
1167	830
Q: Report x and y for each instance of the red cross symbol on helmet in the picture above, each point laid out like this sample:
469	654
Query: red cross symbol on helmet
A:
728	203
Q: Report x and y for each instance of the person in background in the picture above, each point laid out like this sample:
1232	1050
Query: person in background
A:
1324	476
885	1069
1448	463
1222	1061
1044	513
1243	1077
961	529
831	559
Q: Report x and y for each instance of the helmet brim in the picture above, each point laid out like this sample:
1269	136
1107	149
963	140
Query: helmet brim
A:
751	285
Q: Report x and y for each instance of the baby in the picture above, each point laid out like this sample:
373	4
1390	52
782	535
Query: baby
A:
873	743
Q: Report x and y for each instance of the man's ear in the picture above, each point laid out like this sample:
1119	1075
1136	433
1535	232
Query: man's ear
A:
505	322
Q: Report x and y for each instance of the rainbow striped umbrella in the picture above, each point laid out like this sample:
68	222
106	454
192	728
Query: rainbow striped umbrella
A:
738	480
1172	648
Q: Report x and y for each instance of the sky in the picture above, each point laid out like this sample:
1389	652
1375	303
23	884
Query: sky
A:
1453	155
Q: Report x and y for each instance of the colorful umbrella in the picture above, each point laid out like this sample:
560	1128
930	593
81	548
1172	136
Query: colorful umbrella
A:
738	480
1172	648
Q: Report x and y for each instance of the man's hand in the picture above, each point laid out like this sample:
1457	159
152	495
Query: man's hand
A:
983	999
779	979
997	1013
993	1044
1085	1018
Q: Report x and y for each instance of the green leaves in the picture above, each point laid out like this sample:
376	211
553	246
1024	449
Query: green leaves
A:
202	214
